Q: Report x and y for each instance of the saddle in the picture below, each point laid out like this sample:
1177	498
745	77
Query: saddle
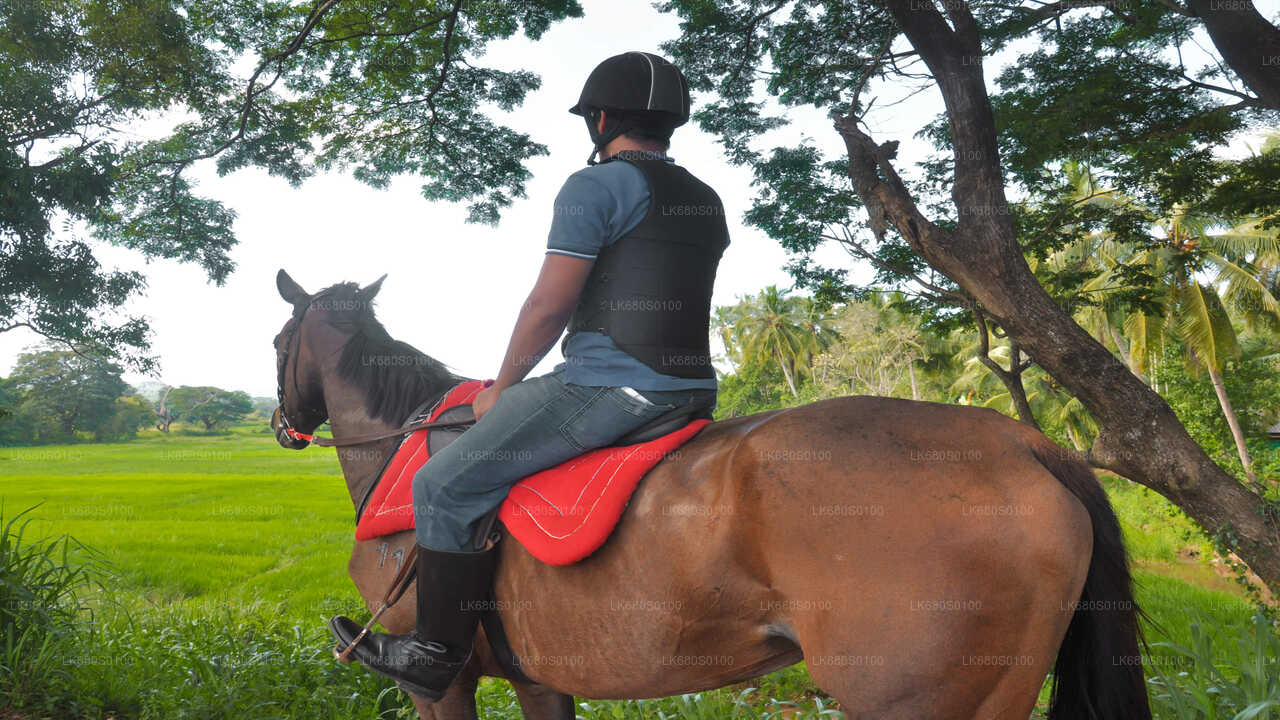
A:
561	514
664	424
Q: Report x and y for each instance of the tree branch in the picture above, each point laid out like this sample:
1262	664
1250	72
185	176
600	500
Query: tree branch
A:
1011	378
1247	41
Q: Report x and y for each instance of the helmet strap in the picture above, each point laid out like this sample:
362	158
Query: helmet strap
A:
613	128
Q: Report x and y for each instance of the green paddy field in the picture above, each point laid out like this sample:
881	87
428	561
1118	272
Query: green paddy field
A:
217	559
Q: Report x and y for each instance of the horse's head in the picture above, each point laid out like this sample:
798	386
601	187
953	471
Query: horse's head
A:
318	328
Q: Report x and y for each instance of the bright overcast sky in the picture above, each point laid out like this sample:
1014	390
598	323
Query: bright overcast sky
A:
453	290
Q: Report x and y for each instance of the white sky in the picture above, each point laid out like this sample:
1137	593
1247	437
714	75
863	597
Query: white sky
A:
335	229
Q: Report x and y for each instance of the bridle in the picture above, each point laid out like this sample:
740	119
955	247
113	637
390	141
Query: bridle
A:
293	343
293	338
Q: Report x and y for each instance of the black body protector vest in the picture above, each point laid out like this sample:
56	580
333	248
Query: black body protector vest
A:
650	291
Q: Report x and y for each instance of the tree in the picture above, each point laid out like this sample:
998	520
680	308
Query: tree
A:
1116	94
130	413
264	406
166	412
64	393
1178	250
217	408
386	89
751	389
12	428
1252	379
878	353
775	328
182	403
1198	315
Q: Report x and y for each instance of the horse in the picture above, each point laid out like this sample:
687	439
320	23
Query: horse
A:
926	561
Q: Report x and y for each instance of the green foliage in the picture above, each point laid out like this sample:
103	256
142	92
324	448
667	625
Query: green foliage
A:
131	413
380	89
1111	90
706	706
1078	83
40	583
773	328
219	408
215	663
1231	673
1253	384
1250	186
62	393
752	389
885	345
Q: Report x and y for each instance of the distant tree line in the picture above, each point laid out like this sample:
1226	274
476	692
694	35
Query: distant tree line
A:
785	350
60	396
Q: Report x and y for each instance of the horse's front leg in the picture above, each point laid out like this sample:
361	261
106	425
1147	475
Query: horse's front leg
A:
459	701
539	702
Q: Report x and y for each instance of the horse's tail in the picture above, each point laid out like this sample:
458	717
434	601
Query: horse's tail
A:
1098	674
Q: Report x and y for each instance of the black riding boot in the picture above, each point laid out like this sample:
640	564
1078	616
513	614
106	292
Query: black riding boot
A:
453	588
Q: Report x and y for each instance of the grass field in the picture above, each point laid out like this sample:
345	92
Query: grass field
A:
227	549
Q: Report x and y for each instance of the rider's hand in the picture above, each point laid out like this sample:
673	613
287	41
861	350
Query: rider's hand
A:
485	400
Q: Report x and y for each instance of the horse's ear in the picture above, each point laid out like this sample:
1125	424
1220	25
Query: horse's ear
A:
291	291
368	292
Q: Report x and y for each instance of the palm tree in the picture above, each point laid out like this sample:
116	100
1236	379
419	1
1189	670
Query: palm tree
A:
725	320
775	328
976	385
1242	258
818	323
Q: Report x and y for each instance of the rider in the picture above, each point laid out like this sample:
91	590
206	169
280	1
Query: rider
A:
631	258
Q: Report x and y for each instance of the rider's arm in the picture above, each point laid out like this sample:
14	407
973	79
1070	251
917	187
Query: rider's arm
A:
543	315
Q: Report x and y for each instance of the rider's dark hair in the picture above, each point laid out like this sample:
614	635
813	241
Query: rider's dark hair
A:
649	127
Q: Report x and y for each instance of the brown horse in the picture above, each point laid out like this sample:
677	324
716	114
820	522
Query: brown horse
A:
926	561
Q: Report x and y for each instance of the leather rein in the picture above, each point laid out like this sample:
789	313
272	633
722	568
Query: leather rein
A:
295	340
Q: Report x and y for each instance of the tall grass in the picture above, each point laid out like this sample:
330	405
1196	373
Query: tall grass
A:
715	705
1228	672
244	662
40	606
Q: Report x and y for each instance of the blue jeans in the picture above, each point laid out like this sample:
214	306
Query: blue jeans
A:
536	424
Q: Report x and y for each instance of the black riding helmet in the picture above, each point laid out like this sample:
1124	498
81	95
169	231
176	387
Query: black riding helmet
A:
639	88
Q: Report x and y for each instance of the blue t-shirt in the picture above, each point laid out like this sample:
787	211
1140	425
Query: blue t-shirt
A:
596	206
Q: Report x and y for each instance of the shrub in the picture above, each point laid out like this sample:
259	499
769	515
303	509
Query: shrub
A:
1230	674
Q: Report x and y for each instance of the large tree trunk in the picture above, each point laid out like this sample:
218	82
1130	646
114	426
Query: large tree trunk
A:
1140	437
164	417
1233	422
1249	44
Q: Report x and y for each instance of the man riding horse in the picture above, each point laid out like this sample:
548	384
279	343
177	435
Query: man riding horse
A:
631	259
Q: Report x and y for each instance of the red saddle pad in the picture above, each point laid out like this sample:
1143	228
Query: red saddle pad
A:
560	515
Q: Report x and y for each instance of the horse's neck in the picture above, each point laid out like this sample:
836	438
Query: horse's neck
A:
361	463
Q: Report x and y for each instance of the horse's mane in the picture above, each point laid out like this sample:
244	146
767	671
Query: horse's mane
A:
395	376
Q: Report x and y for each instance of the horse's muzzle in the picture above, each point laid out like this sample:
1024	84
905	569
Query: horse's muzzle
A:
282	434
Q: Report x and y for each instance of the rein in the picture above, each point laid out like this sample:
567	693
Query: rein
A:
370	437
